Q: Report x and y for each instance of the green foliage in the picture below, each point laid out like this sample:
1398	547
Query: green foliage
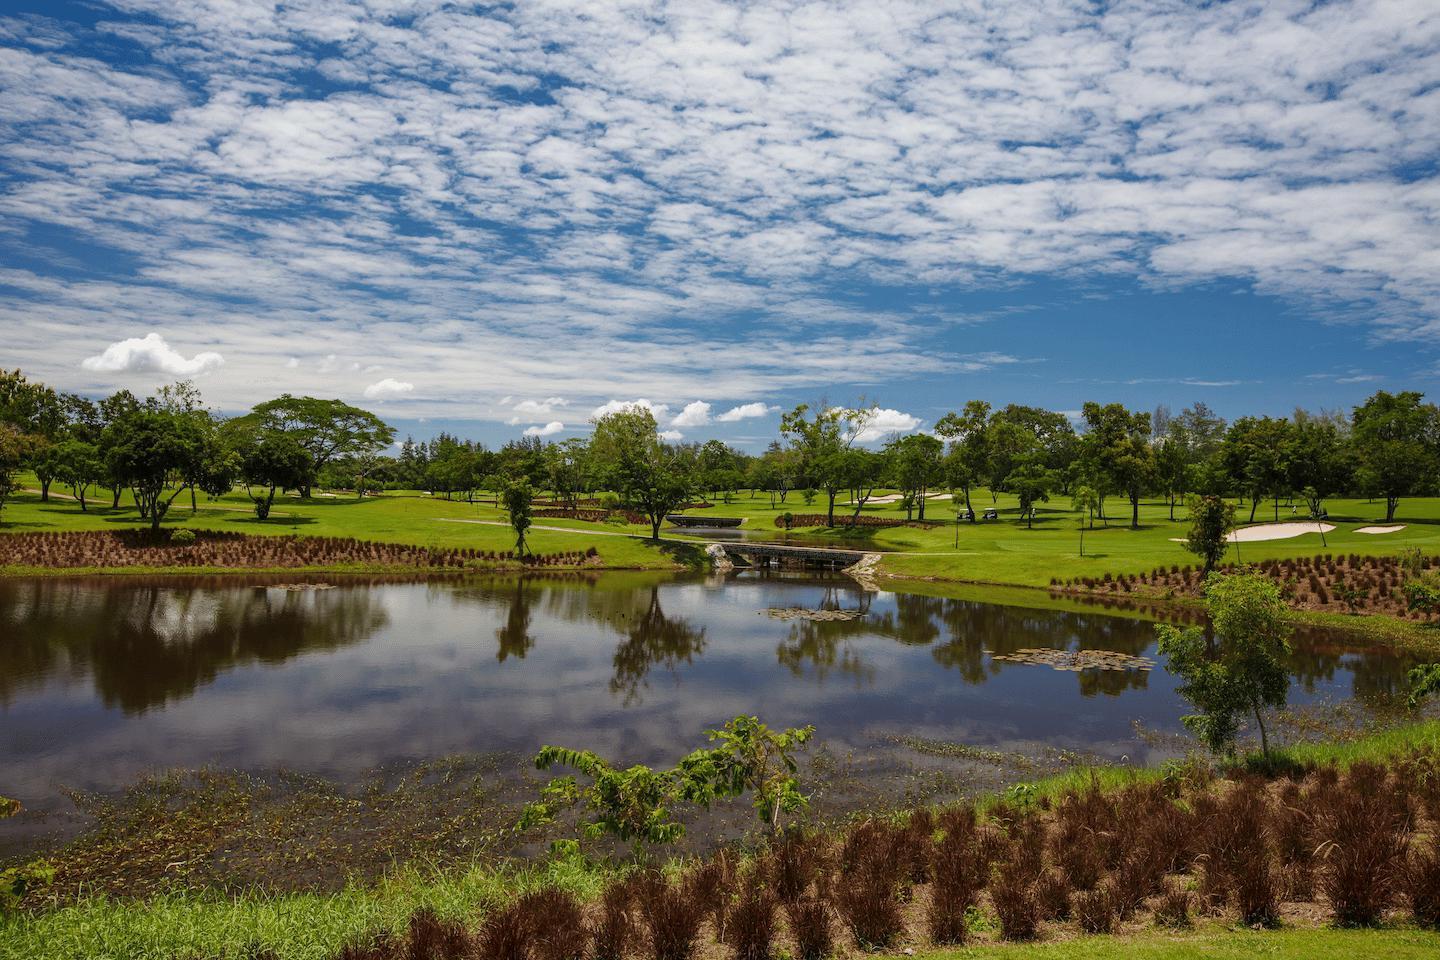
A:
1241	669
517	497
1395	438
1211	520
1424	681
18	881
182	536
633	460
635	804
326	429
1423	593
750	758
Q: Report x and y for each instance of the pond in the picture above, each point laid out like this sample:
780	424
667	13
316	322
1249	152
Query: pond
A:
104	680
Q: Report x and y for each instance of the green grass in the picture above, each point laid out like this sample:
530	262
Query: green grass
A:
397	518
306	926
1002	551
1215	943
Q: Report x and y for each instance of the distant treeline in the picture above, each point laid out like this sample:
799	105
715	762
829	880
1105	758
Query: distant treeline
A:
166	445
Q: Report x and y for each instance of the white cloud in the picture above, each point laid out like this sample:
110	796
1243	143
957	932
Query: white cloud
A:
151	354
745	411
883	422
553	427
388	389
671	436
533	411
659	410
695	414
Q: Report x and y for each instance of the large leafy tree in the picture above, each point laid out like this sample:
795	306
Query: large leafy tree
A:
326	429
79	465
1396	437
639	466
149	451
272	460
1241	668
965	462
819	439
1255	458
1211	520
917	464
1319	460
1117	446
14	449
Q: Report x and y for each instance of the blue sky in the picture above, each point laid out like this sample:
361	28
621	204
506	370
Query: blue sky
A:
502	219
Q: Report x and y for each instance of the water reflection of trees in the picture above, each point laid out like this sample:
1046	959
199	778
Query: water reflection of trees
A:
1318	654
149	644
653	639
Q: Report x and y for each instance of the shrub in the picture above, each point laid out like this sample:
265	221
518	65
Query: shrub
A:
1053	893
672	913
750	924
866	893
810	927
792	863
505	934
557	925
1173	907
182	537
1012	893
614	929
1362	828
1422	884
431	938
1094	910
958	873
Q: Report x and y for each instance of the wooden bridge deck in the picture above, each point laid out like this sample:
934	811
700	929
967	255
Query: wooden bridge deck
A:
762	554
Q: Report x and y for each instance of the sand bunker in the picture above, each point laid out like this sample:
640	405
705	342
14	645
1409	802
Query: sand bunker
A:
897	497
1394	529
1273	531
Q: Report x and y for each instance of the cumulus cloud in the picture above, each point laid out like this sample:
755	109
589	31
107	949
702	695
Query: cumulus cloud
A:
533	411
658	410
553	427
671	436
883	422
745	411
364	179
695	414
388	389
151	354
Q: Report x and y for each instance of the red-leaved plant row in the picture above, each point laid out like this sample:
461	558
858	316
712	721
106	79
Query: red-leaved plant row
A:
1324	582
593	516
818	520
1362	843
215	548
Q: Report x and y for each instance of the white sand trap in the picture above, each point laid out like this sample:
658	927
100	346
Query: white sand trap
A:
1273	531
896	498
1395	529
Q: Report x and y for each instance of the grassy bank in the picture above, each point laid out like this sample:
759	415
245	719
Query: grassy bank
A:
203	923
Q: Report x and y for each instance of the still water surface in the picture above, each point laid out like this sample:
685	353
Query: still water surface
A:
101	681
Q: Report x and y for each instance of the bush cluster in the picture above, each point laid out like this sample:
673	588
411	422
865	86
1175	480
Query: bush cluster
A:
214	548
1363	842
1341	583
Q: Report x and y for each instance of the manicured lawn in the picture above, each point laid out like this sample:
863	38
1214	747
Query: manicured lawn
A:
1000	551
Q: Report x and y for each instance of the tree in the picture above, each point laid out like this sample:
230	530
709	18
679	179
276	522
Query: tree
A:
517	497
325	428
968	456
819	441
273	460
78	465
14	449
1211	520
862	471
1241	669
1086	501
1116	446
1396	437
638	465
147	450
1172	464
1254	454
916	464
1030	481
1318	460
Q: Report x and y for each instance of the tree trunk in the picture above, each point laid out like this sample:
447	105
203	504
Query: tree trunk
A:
1254	502
44	491
1135	513
192	498
1390	504
969	510
830	512
922	504
1264	740
115	499
655	520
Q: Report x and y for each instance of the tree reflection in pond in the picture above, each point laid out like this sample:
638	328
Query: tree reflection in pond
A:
150	644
